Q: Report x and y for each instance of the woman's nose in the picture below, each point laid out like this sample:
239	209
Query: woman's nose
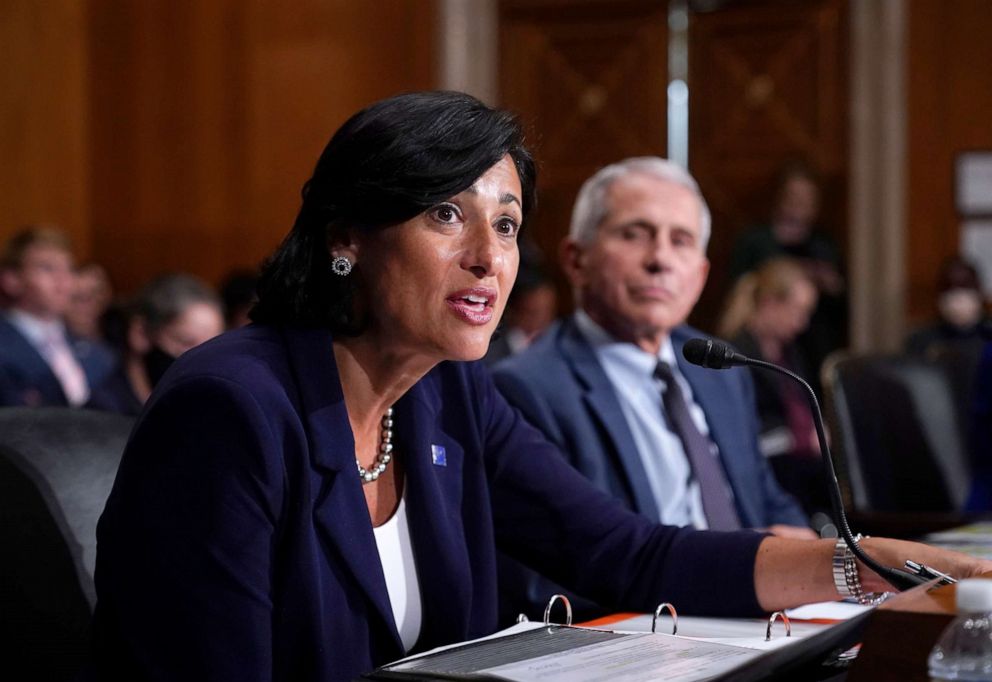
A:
483	255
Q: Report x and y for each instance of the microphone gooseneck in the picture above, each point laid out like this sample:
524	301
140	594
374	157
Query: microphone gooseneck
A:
714	354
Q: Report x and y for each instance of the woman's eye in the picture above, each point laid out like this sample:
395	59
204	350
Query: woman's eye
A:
507	227
445	213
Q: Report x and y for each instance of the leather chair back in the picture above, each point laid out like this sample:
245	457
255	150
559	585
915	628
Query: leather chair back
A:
57	466
896	433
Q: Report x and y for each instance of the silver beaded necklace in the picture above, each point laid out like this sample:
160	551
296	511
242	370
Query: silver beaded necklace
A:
385	455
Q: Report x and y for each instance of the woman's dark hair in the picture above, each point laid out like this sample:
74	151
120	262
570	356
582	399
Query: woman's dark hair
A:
385	165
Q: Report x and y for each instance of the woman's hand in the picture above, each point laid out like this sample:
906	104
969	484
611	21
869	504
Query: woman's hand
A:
789	572
894	553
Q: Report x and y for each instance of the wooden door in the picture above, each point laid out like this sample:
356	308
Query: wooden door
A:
767	86
588	79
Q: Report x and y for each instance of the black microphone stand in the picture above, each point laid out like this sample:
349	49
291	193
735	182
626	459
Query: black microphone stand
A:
898	578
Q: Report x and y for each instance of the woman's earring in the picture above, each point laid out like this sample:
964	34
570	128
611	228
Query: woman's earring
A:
341	266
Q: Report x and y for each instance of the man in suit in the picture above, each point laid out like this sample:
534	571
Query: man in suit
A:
610	387
40	363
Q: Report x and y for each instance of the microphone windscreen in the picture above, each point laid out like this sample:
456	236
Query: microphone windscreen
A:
710	353
697	350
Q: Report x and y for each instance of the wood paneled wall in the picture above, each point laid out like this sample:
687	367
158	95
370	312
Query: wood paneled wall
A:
767	87
169	134
176	134
950	111
588	78
43	117
767	82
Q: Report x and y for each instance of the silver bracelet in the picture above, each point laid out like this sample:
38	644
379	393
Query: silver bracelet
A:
845	572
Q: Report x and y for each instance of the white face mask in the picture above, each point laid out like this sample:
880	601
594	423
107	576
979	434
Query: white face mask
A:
960	307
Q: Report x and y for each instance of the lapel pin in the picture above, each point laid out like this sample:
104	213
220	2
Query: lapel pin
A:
438	456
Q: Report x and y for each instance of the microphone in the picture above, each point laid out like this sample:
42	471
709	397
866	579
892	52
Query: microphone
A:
714	354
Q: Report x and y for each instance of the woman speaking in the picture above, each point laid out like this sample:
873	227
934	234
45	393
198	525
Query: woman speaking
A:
326	489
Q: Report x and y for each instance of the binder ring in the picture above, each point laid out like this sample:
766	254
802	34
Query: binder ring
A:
772	619
671	610
522	618
551	602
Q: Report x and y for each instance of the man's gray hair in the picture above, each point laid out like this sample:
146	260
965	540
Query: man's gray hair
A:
590	205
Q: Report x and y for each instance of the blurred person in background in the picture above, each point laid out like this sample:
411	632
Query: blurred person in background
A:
172	314
41	361
956	339
962	319
238	294
793	231
531	308
766	311
91	297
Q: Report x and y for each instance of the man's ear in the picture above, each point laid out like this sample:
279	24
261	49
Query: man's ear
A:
571	255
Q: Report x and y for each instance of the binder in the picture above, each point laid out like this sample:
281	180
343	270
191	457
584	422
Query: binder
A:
546	651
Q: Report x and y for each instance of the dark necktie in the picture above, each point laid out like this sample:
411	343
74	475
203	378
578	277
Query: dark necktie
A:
717	505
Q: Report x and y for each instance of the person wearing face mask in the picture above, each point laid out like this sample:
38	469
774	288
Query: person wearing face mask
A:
171	315
962	319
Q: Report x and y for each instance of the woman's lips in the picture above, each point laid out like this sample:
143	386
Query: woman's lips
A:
474	306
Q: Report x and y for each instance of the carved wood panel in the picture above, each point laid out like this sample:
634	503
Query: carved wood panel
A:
588	80
767	86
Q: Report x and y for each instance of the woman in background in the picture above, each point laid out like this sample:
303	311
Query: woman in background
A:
767	310
325	490
170	315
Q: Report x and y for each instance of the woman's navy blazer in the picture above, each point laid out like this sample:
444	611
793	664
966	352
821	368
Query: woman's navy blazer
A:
237	545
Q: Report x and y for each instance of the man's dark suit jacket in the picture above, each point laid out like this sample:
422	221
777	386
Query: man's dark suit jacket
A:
237	545
561	388
27	380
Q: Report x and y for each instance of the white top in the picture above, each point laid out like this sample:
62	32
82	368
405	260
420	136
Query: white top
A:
396	555
631	371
